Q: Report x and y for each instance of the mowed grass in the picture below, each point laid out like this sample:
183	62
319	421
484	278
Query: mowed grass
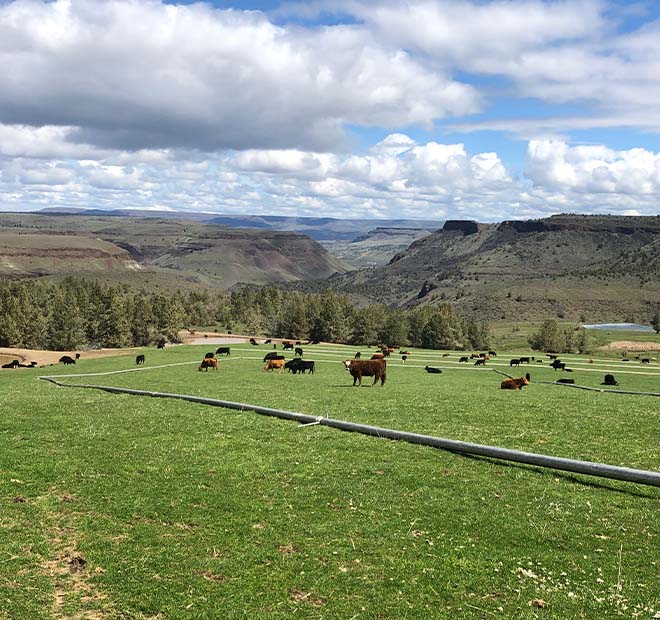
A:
117	506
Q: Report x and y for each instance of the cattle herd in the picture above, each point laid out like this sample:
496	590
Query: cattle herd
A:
358	368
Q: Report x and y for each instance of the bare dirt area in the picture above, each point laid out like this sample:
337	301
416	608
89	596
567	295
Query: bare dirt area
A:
46	358
629	345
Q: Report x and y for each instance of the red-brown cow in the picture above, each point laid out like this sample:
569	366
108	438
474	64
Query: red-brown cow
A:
514	384
367	368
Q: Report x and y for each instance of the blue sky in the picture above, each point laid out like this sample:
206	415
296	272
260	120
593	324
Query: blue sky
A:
379	108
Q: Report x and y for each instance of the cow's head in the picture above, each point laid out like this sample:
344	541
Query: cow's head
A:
347	364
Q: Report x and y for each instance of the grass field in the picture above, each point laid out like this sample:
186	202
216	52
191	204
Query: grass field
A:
117	506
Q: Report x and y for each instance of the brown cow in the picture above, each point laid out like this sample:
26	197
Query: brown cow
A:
208	362
270	365
378	356
367	368
514	384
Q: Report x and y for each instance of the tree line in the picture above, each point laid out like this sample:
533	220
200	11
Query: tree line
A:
77	313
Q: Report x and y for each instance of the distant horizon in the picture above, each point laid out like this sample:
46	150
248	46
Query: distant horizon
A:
354	109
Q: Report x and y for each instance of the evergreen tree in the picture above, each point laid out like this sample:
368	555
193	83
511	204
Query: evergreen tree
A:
549	338
65	324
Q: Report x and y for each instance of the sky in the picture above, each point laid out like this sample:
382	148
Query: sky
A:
424	109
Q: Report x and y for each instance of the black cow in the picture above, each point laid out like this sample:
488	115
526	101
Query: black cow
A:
464	359
273	356
492	353
552	357
357	356
298	352
556	363
432	370
514	362
287	346
268	341
567	381
12	364
480	362
298	365
524	360
161	344
209	355
66	360
77	356
609	380
403	359
625	360
222	351
139	359
253	341
646	360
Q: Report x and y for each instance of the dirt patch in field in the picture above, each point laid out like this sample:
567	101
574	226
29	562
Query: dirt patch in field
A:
45	358
630	345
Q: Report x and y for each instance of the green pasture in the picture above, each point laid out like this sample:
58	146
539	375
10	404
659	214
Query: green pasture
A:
117	506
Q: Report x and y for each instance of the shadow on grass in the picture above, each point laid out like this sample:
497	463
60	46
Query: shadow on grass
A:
567	476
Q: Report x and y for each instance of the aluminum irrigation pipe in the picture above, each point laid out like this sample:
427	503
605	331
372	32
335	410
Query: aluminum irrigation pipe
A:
639	476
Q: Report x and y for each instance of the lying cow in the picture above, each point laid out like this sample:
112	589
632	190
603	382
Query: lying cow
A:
367	368
66	360
223	351
515	384
432	370
271	365
208	362
609	380
12	364
566	381
139	359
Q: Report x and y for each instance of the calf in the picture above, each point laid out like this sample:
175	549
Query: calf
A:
66	360
273	356
357	356
271	365
77	356
139	360
432	370
223	351
514	384
298	351
609	380
367	368
208	362
480	362
514	363
464	359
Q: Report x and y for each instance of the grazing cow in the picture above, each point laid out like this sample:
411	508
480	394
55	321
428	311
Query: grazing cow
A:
298	351
298	343
268	341
357	356
432	370
609	380
524	360
482	355
298	365
13	364
253	341
514	362
209	355
77	356
556	363
445	355
385	352
208	362
465	358
271	365
480	362
273	356
378	356
287	346
552	357
646	360
66	360
474	356
514	384
492	353
223	351
567	369
566	381
403	359
376	368
139	359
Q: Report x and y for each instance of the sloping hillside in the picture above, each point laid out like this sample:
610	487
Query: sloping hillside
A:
156	251
598	267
